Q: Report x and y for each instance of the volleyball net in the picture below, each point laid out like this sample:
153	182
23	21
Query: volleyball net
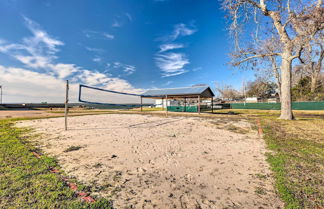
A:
99	96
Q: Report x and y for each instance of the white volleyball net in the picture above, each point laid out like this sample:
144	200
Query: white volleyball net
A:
99	96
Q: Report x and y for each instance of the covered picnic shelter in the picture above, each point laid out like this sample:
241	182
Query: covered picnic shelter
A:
198	92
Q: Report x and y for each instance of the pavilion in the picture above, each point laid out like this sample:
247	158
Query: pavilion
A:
198	93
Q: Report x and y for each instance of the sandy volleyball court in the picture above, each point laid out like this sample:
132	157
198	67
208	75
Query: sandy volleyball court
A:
143	161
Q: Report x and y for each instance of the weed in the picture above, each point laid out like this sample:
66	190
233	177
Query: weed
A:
260	191
237	129
97	165
261	176
72	148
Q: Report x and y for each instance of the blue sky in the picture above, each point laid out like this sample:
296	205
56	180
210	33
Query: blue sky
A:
128	45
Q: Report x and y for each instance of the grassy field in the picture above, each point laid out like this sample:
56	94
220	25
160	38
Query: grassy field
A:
26	181
296	156
297	159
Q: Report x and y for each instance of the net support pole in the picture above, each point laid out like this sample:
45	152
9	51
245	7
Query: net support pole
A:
66	103
198	104
185	105
141	104
212	105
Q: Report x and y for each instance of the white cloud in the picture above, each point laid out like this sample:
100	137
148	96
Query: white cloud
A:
63	71
21	85
47	84
172	64
167	47
97	59
36	61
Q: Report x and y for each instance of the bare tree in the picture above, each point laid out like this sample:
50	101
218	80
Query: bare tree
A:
228	92
292	22
313	57
260	88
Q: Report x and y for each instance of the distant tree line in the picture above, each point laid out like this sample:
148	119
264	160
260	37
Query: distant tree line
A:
264	88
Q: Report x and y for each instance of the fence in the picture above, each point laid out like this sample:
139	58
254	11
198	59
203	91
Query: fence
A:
276	106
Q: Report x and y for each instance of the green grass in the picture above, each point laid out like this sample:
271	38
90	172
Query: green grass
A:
297	160
26	182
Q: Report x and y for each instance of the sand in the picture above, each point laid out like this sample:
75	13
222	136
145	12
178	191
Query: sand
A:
142	161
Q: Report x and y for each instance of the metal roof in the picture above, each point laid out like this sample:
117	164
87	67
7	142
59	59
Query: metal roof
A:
203	91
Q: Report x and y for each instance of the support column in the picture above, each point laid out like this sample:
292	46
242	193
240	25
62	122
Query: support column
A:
212	104
199	104
141	104
166	104
185	104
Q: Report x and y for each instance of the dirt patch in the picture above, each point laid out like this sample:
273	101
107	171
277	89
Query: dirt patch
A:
149	161
23	114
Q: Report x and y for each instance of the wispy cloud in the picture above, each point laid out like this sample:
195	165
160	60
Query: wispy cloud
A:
97	59
197	69
116	24
96	50
122	19
98	35
121	67
179	30
182	30
109	36
172	64
168	83
39	38
130	18
171	46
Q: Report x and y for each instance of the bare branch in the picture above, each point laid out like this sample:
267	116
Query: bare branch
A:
254	57
319	3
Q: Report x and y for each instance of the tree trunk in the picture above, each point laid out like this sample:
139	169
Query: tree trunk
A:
276	73
314	81
286	109
316	71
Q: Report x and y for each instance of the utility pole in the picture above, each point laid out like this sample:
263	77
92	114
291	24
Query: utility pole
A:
1	94
66	102
244	93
